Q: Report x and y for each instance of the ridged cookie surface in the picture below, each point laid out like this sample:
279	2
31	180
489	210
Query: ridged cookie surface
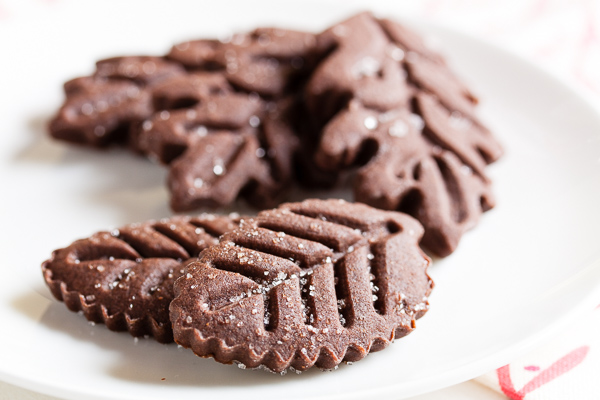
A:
124	278
311	283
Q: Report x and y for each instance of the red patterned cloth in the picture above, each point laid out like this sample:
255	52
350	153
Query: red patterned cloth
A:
566	367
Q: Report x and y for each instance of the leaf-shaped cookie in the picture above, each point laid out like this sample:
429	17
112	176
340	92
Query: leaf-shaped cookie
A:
311	283
100	109
193	105
254	162
424	151
124	278
406	170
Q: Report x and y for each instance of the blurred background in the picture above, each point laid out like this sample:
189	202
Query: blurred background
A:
562	36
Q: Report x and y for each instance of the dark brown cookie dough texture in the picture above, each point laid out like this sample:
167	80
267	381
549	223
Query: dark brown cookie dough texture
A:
307	284
100	109
251	115
220	113
124	278
391	109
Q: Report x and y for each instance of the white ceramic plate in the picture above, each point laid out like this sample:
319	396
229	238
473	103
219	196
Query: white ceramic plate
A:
531	265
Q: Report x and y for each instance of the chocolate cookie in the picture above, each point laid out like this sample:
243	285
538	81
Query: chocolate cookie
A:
248	116
124	278
192	106
311	283
221	144
409	172
254	162
100	109
393	110
267	61
221	113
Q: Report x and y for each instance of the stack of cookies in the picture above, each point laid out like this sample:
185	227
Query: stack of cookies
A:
311	283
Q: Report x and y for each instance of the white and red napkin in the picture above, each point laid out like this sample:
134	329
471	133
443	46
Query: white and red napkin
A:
567	367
